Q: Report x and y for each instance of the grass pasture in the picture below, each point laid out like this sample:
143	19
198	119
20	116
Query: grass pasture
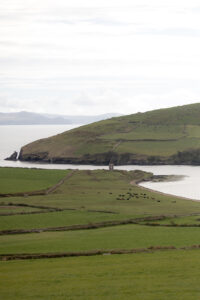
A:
109	191
98	196
16	180
55	219
109	238
6	209
162	275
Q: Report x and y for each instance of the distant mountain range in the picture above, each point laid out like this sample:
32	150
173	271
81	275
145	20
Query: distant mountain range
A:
31	118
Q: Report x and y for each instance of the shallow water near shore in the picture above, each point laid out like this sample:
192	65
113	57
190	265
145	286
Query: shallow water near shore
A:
188	186
13	137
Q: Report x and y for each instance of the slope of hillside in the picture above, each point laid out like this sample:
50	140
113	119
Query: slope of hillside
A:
165	136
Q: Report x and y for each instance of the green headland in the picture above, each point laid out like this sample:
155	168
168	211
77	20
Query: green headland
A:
165	136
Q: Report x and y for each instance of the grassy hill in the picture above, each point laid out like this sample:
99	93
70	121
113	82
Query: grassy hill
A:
165	136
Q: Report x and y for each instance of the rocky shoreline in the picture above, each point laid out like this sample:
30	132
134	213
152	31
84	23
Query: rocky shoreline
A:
190	157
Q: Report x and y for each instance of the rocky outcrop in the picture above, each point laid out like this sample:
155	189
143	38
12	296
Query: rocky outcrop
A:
190	157
34	157
13	156
95	159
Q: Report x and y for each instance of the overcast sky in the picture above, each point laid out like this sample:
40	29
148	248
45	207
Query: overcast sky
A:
98	56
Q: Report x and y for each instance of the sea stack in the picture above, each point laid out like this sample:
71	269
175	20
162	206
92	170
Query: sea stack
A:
13	156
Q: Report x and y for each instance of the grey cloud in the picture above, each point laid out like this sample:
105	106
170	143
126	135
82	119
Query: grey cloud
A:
56	21
70	78
95	100
177	31
107	22
95	21
84	100
195	9
181	31
14	15
8	43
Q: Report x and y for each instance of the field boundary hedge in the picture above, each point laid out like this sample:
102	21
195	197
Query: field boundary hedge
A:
151	249
82	226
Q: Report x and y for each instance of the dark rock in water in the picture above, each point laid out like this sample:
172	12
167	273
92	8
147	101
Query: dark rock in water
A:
13	156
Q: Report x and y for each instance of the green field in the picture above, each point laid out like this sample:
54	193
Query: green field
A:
6	209
94	197
116	237
14	180
189	220
155	276
100	190
55	219
169	136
